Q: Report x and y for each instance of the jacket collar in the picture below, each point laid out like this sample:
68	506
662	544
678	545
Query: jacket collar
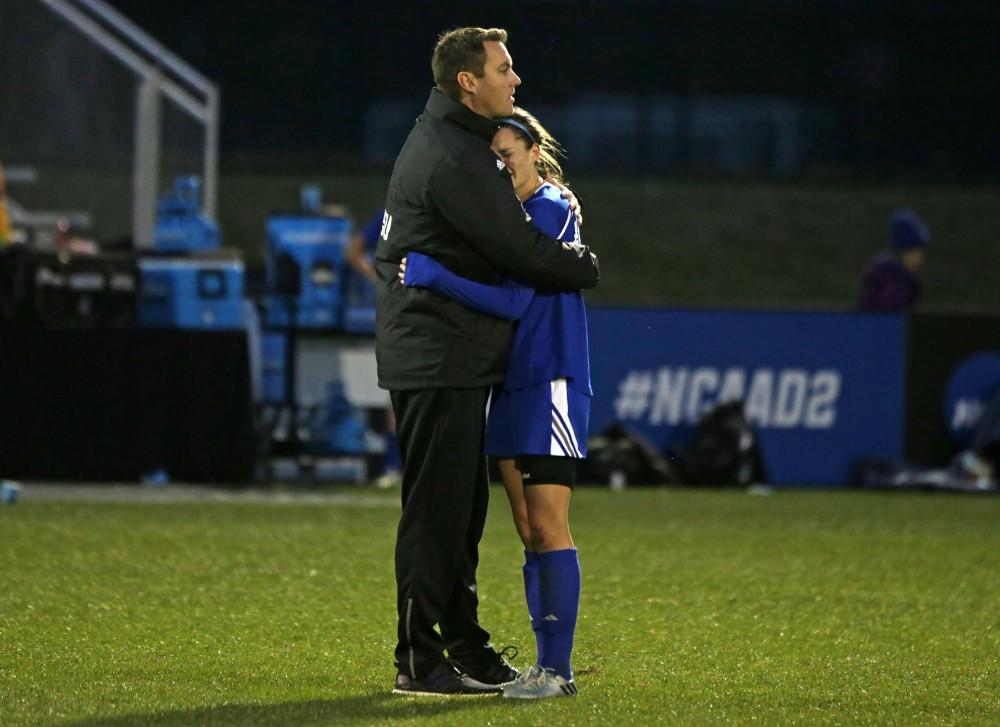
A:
442	108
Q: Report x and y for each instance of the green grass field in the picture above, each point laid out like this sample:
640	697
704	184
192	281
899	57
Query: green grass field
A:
698	608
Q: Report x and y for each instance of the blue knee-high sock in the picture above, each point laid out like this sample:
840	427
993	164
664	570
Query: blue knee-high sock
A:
532	595
559	586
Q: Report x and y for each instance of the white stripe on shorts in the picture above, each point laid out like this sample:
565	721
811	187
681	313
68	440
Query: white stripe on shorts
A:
563	442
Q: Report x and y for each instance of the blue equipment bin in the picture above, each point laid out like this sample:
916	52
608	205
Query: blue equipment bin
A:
274	377
304	264
191	293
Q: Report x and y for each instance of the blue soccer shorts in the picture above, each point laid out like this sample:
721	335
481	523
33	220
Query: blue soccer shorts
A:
548	419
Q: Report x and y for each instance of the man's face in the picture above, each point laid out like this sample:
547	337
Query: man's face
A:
494	91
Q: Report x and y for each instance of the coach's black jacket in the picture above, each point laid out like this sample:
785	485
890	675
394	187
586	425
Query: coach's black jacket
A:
451	198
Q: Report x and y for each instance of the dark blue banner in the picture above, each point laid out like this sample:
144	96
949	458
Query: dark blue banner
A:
821	389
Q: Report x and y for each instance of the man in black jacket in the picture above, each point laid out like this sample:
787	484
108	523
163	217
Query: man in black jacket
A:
450	197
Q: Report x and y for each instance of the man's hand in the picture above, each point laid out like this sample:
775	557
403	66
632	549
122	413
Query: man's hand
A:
574	203
402	270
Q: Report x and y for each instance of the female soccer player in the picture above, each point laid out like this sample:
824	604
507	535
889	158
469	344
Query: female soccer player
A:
537	425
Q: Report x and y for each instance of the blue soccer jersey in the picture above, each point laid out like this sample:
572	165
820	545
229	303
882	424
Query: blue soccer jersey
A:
550	341
543	407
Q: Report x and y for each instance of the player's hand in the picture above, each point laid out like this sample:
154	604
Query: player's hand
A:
402	270
574	203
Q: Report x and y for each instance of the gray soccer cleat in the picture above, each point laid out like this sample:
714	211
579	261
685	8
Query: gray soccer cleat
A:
539	683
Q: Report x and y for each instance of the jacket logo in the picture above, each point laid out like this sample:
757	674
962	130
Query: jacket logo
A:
500	165
386	225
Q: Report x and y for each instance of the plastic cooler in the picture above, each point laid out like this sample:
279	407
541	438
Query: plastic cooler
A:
304	265
191	293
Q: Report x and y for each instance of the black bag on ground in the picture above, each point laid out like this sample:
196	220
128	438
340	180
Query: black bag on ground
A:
725	450
622	455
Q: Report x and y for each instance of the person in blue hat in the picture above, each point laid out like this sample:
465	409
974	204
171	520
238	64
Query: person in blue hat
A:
890	282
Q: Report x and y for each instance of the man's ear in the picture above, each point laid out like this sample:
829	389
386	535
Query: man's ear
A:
466	81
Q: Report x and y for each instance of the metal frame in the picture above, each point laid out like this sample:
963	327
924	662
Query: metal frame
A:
161	73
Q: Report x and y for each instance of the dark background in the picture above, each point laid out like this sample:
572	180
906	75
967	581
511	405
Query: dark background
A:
898	87
728	154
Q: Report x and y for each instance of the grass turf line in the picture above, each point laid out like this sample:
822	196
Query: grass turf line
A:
698	608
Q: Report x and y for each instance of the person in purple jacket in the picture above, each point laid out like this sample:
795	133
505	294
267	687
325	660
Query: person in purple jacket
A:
890	281
538	418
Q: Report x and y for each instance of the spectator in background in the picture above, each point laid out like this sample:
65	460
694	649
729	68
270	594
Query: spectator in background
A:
980	463
359	255
890	281
66	240
361	249
6	232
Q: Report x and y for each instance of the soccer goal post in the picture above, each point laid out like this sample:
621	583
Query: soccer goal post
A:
103	112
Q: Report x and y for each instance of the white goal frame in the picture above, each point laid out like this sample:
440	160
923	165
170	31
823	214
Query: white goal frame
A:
161	75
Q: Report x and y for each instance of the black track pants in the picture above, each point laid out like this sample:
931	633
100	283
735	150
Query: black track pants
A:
445	497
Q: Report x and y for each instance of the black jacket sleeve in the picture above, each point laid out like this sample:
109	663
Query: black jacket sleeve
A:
475	195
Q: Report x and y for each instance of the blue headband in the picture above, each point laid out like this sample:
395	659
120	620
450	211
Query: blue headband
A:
511	121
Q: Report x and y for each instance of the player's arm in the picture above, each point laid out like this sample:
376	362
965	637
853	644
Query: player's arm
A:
475	196
571	199
509	301
556	219
356	256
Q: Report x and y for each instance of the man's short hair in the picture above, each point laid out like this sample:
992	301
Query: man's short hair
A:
459	50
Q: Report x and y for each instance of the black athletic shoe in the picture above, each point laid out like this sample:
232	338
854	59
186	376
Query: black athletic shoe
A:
488	666
442	680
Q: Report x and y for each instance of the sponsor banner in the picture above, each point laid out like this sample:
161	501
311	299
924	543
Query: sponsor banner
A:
821	389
